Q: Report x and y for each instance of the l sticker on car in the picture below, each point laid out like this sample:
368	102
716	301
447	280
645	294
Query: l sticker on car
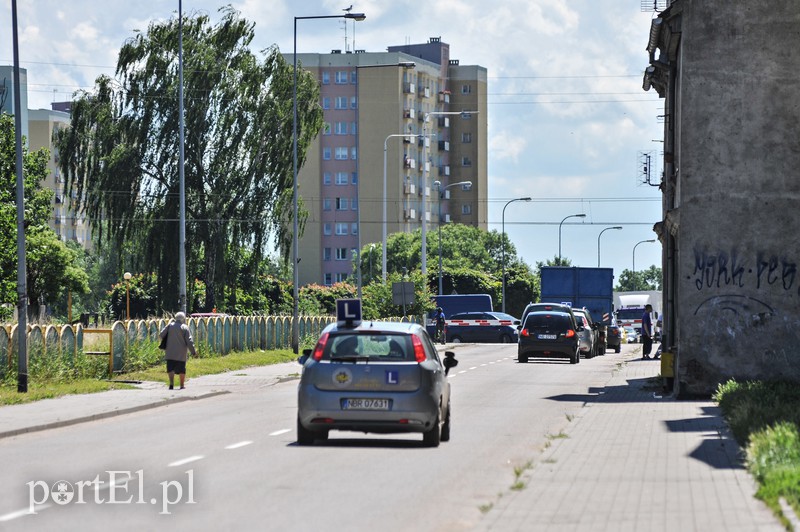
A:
392	377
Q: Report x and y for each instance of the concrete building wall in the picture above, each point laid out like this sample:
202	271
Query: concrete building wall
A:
7	94
731	190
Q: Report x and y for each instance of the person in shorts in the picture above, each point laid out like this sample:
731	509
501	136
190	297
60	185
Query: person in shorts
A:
179	344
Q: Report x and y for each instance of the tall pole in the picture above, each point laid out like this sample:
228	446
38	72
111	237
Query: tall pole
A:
598	241
424	186
182	243
503	244
633	265
383	228
559	232
22	288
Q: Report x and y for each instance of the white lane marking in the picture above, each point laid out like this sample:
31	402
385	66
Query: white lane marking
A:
237	445
462	371
279	432
185	461
473	367
19	513
482	365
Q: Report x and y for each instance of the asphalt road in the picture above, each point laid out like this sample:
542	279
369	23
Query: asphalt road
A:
231	462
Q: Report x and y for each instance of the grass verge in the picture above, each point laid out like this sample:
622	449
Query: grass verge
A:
765	419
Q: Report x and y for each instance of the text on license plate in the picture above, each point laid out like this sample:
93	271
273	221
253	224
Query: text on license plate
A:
548	336
365	404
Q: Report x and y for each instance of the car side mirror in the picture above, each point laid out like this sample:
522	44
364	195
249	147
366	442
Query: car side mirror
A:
304	357
449	361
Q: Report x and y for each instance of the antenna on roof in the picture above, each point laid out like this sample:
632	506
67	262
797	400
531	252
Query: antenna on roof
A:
654	5
348	10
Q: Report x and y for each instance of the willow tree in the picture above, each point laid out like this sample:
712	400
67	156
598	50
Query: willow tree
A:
121	154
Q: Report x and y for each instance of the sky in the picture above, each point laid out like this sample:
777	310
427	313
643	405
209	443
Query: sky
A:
569	123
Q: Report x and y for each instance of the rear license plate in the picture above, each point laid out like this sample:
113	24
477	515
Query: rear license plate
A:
548	336
365	404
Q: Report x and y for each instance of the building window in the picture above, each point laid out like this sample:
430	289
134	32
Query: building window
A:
341	178
341	77
341	228
326	154
466	138
341	253
326	102
326	77
326	178
326	204
353	102
354	228
354	128
341	128
328	279
326	254
354	204
466	161
466	209
341	204
341	277
354	153
326	128
341	154
341	102
466	89
326	229
354	178
354	77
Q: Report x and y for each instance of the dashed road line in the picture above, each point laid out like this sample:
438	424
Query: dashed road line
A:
239	444
279	432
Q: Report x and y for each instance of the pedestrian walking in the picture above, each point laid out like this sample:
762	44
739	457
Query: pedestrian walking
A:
440	325
179	344
647	332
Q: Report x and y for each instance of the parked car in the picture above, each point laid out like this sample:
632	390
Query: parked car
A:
614	337
632	335
381	377
594	347
549	334
585	337
482	327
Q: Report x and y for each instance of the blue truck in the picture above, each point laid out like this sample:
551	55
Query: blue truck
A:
590	288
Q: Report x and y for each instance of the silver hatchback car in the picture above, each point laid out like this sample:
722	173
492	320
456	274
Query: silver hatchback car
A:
381	377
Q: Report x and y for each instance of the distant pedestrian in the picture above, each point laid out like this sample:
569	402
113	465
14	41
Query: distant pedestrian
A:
647	332
179	344
440	325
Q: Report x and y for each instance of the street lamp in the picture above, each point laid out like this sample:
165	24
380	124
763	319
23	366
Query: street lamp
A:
127	276
295	229
463	114
634	261
598	241
438	185
559	232
503	244
383	229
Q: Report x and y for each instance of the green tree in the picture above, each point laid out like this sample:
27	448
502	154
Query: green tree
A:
649	279
49	263
121	152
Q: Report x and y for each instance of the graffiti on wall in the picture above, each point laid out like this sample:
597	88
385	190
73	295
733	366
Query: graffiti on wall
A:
732	270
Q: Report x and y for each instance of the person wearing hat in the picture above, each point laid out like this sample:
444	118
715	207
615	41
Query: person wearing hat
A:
179	344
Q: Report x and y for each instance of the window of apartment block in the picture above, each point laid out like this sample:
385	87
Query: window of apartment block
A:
326	102
341	77
341	154
354	178
326	77
326	128
341	204
341	102
353	102
466	138
326	154
354	77
466	161
354	204
341	178
354	153
341	228
326	229
354	128
328	279
354	229
341	253
326	254
466	89
341	128
341	277
326	178
466	209
326	204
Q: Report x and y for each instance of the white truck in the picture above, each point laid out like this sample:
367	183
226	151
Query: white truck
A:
629	308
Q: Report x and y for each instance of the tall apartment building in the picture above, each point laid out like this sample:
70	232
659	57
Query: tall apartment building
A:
369	101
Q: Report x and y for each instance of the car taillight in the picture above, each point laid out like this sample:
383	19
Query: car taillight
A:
419	350
317	355
570	333
524	332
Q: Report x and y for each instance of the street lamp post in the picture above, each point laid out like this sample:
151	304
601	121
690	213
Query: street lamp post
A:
598	241
383	228
503	244
127	276
438	185
559	232
424	243
295	229
634	261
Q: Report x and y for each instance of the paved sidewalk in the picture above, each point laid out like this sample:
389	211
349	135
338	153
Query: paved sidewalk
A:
635	460
73	409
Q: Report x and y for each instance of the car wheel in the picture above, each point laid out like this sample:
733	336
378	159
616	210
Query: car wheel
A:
432	437
455	340
575	357
304	436
505	339
522	359
445	435
618	349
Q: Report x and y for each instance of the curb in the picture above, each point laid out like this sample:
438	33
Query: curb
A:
106	415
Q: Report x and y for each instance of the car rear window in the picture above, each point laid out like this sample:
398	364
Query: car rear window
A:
547	321
374	347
